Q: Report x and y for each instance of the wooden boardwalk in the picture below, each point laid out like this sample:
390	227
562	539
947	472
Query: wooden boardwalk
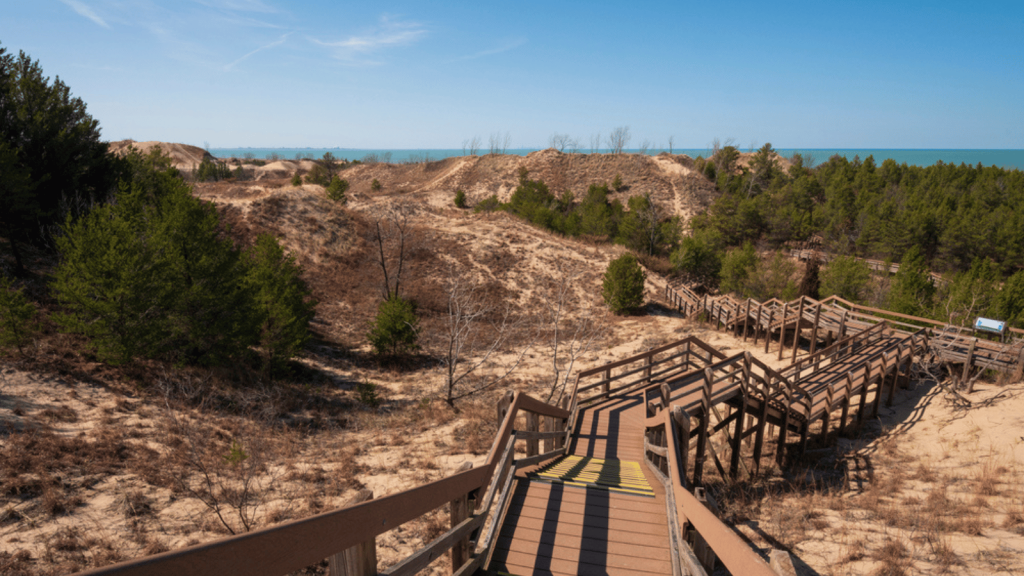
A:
552	528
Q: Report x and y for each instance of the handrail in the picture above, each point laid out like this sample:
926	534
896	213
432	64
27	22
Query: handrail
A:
732	551
310	540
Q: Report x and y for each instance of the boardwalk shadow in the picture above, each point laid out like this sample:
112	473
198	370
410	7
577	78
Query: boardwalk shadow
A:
609	413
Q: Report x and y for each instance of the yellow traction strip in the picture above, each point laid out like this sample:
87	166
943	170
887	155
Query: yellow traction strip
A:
613	475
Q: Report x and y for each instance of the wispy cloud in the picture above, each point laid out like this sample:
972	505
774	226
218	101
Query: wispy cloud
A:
511	45
240	5
85	11
277	42
360	49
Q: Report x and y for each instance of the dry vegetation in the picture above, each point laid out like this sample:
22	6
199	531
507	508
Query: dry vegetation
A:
100	464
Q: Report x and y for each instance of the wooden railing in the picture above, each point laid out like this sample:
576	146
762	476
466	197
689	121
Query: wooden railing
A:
698	537
346	537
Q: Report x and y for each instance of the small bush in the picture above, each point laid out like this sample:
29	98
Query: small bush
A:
395	330
624	284
460	199
617	183
336	190
16	315
375	185
296	180
488	204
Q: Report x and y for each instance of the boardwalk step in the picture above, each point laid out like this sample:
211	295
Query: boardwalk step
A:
622	476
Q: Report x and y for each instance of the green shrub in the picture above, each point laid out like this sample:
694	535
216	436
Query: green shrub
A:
623	287
296	180
154	275
617	183
16	316
336	190
210	171
283	304
460	198
698	261
395	330
736	268
846	277
489	204
375	185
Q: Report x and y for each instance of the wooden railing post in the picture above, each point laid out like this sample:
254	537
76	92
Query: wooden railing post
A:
768	330
607	384
814	332
796	329
782	329
746	321
532	425
459	510
359	560
967	367
757	325
682	423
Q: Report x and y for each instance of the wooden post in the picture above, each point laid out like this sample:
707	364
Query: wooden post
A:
757	325
863	395
762	421
607	384
1018	373
829	341
746	321
705	423
814	332
967	367
549	426
503	406
768	330
846	401
682	422
359	560
796	329
895	375
532	425
782	329
878	391
459	509
737	439
842	326
648	362
780	451
827	416
665	393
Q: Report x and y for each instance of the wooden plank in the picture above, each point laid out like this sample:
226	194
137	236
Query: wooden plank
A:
588	563
458	512
425	556
537	458
525	539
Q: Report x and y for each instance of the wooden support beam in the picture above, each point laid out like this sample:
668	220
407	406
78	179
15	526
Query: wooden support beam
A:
682	423
737	439
796	329
895	375
549	426
705	423
607	381
359	560
458	512
848	387
782	329
967	367
768	330
761	422
780	451
746	321
804	432
827	416
532	425
757	325
878	389
863	396
814	332
842	326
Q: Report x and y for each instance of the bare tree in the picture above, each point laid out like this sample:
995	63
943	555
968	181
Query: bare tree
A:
473	340
619	139
494	143
645	145
559	141
595	142
474	145
392	232
671	141
571	326
506	139
574	146
234	481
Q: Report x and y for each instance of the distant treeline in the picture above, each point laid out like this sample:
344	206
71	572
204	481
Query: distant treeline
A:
966	222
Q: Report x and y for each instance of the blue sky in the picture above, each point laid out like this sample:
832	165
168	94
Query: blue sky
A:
433	74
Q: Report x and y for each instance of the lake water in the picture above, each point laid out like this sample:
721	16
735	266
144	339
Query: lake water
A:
1009	159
